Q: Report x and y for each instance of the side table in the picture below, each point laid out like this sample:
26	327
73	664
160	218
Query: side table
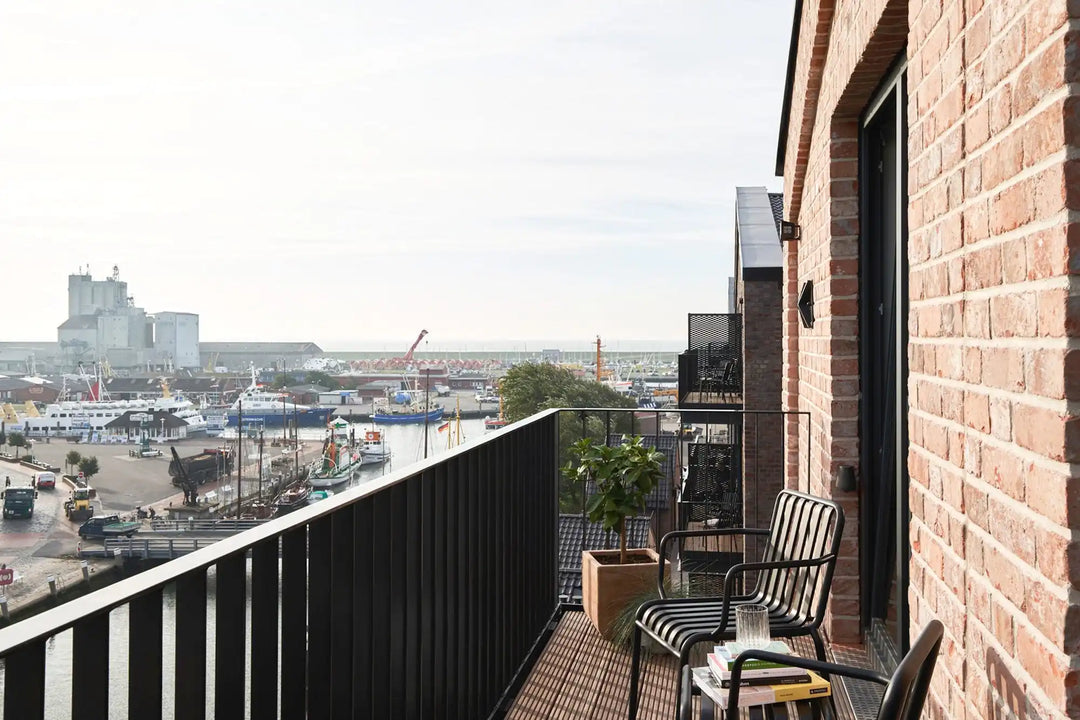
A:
817	709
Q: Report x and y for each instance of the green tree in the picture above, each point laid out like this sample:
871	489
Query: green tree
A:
531	387
528	388
317	377
282	380
17	440
88	466
3	438
72	459
624	476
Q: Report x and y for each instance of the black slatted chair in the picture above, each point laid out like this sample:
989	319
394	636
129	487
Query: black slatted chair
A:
792	580
905	691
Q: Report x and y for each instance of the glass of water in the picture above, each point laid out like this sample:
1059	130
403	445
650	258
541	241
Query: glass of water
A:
752	626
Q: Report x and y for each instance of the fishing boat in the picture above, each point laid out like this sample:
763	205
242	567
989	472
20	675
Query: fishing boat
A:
292	498
374	451
412	412
339	458
317	495
259	510
274	409
491	423
452	427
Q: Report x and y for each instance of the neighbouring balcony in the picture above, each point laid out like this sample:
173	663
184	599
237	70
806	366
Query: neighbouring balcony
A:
711	369
433	592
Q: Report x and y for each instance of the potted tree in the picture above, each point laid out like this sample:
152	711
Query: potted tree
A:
622	477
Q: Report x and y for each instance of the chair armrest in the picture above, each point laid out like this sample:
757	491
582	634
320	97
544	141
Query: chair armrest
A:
675	534
736	570
817	666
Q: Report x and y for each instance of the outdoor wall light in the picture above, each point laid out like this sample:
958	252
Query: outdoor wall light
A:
845	478
789	231
806	304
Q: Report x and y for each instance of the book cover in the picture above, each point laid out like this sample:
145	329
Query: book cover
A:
762	694
759	676
726	654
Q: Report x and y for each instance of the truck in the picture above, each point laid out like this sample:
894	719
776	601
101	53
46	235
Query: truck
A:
107	526
200	469
77	507
45	480
18	501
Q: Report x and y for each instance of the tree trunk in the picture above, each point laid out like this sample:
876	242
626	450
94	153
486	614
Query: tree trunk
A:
622	541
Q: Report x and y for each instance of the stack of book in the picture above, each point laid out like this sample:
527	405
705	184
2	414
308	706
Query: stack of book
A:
762	682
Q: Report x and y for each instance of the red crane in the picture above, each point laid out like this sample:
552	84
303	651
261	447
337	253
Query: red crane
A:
408	355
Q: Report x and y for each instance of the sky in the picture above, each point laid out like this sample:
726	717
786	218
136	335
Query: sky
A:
351	172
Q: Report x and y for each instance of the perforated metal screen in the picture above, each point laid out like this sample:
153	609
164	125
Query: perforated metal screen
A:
713	331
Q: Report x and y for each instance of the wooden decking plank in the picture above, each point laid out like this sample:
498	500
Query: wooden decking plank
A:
587	679
581	675
545	681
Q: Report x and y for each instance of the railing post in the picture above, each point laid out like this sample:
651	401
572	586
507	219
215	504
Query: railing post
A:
25	669
189	688
144	657
231	636
90	669
294	622
264	630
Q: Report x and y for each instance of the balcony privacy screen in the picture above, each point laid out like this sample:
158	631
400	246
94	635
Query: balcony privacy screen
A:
713	487
716	338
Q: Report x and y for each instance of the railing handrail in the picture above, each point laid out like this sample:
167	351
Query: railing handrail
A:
121	593
63	617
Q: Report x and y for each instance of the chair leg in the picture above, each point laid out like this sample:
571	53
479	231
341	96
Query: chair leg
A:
819	645
635	666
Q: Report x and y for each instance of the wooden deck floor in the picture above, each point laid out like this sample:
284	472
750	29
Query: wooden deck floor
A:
581	675
705	399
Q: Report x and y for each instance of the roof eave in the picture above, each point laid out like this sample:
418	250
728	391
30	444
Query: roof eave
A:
793	56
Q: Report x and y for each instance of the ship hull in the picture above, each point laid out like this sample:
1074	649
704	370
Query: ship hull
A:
406	418
311	417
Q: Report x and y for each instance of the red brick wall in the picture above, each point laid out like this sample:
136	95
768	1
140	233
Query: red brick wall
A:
993	251
763	462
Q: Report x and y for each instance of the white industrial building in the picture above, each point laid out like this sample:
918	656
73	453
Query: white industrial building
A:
176	338
104	324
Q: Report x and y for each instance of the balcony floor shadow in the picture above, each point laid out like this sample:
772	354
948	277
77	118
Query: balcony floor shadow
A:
581	675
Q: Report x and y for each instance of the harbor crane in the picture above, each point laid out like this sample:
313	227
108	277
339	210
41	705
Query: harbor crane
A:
408	356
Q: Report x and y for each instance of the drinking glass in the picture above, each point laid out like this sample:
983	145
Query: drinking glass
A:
752	626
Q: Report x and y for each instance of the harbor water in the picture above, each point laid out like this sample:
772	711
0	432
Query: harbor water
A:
407	442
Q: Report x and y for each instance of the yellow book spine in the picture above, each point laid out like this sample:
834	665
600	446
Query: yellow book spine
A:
817	687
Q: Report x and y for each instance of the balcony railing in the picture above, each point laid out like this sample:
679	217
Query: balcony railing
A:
419	595
710	371
423	594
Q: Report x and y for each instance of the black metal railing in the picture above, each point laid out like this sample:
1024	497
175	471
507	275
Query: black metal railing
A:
712	363
722	467
418	595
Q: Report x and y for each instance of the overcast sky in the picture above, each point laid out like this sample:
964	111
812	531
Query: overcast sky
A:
350	172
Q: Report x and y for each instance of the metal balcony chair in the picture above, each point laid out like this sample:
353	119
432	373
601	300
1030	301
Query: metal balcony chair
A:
905	691
793	581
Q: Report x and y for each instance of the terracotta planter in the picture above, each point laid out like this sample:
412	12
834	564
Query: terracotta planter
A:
606	589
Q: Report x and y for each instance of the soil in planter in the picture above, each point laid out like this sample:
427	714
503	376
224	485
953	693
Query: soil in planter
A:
632	558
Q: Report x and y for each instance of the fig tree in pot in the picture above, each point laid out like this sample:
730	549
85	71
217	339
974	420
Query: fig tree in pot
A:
622	476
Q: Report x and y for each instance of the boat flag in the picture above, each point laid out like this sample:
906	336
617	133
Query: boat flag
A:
444	426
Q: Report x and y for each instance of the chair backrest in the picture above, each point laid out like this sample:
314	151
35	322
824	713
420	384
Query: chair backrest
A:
906	692
803	527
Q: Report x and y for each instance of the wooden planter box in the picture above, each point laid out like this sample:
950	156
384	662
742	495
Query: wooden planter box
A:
606	589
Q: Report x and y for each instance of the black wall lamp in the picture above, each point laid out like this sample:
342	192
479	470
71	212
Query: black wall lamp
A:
789	231
845	478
